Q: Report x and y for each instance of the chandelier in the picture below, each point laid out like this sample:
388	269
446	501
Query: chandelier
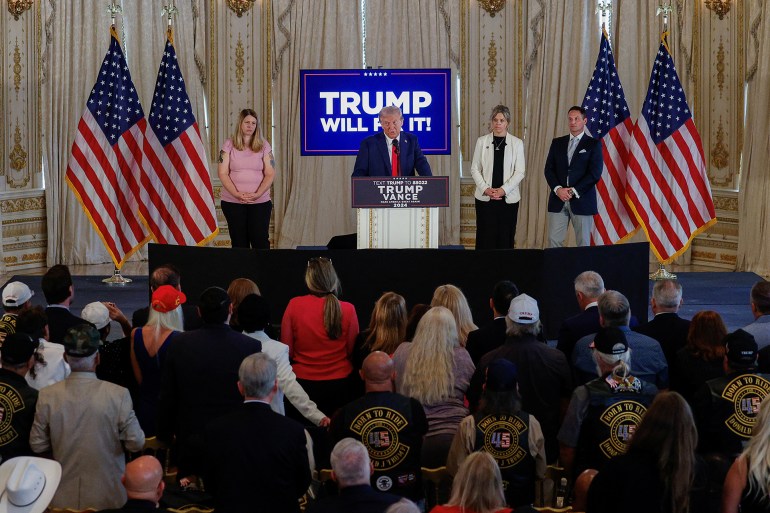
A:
240	6
17	7
492	6
720	7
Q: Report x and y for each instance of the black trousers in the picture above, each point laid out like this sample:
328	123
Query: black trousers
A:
249	224
496	224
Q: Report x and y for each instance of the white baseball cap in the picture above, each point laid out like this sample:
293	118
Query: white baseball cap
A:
97	314
16	294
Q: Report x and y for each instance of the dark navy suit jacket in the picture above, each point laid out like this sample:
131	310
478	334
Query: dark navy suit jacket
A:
583	173
374	160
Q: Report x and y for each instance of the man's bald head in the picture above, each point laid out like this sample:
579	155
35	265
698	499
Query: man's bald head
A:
377	371
143	479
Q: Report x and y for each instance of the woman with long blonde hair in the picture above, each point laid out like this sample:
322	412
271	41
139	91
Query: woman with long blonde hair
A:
436	371
453	298
320	331
747	485
477	487
387	328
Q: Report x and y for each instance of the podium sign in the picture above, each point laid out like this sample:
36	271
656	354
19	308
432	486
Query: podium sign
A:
399	212
400	191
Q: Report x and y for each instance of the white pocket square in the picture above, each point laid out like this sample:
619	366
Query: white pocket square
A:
582	151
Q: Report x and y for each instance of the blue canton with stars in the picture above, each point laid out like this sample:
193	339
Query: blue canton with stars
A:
170	113
665	107
605	103
113	101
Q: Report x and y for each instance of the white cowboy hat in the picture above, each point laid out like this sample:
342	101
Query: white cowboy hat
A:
27	484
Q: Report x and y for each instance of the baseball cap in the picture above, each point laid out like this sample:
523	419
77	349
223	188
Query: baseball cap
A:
18	348
16	294
166	298
742	348
610	340
97	314
523	310
80	341
502	375
28	484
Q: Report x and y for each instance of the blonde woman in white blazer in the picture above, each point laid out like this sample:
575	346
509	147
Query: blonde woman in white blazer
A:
497	169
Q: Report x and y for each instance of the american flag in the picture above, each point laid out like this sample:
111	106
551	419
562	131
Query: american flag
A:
668	188
104	165
176	201
610	121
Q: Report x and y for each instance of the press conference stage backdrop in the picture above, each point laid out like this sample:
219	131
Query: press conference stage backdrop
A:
340	107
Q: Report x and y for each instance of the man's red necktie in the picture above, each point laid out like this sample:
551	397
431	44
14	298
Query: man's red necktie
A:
394	160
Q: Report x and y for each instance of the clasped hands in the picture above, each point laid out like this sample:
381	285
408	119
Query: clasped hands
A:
495	194
247	197
565	193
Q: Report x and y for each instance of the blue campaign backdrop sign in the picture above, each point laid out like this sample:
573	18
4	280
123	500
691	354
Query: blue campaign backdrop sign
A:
339	107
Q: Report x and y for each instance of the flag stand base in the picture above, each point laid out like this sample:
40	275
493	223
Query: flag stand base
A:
116	279
662	274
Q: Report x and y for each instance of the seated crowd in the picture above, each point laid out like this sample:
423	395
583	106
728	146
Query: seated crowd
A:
667	415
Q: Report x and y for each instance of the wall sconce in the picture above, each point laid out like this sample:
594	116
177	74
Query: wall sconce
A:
492	6
720	7
240	6
17	7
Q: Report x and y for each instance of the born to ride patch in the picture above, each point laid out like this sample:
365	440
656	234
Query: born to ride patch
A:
502	436
746	393
622	418
378	429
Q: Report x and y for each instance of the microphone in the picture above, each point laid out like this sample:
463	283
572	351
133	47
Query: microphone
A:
395	147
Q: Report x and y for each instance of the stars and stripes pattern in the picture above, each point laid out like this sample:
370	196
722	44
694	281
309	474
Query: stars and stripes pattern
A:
103	168
668	188
176	201
609	120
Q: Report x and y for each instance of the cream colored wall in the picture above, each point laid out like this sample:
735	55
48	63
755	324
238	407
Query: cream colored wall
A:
238	70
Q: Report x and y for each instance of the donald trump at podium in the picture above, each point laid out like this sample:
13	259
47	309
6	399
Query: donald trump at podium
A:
391	152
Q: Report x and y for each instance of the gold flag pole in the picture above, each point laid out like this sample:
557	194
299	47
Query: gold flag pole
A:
662	273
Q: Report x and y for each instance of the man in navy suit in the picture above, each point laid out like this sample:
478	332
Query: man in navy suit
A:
573	167
391	152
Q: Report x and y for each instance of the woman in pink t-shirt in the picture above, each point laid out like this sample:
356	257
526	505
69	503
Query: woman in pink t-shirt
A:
246	170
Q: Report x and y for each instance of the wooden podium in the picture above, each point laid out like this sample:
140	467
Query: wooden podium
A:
399	212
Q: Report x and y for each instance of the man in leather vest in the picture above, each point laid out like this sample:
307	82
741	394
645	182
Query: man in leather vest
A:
511	436
726	408
390	425
604	413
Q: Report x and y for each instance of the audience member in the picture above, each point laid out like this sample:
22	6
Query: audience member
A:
658	471
760	308
415	315
17	398
702	358
492	336
726	407
603	414
510	435
168	274
27	484
256	459
238	289
320	331
666	327
198	379
544	377
86	423
148	348
649	361
390	425
453	299
387	328
403	506
17	297
477	487
588	287
50	366
143	481
114	355
254	315
352	470
747	486
59	292
436	371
